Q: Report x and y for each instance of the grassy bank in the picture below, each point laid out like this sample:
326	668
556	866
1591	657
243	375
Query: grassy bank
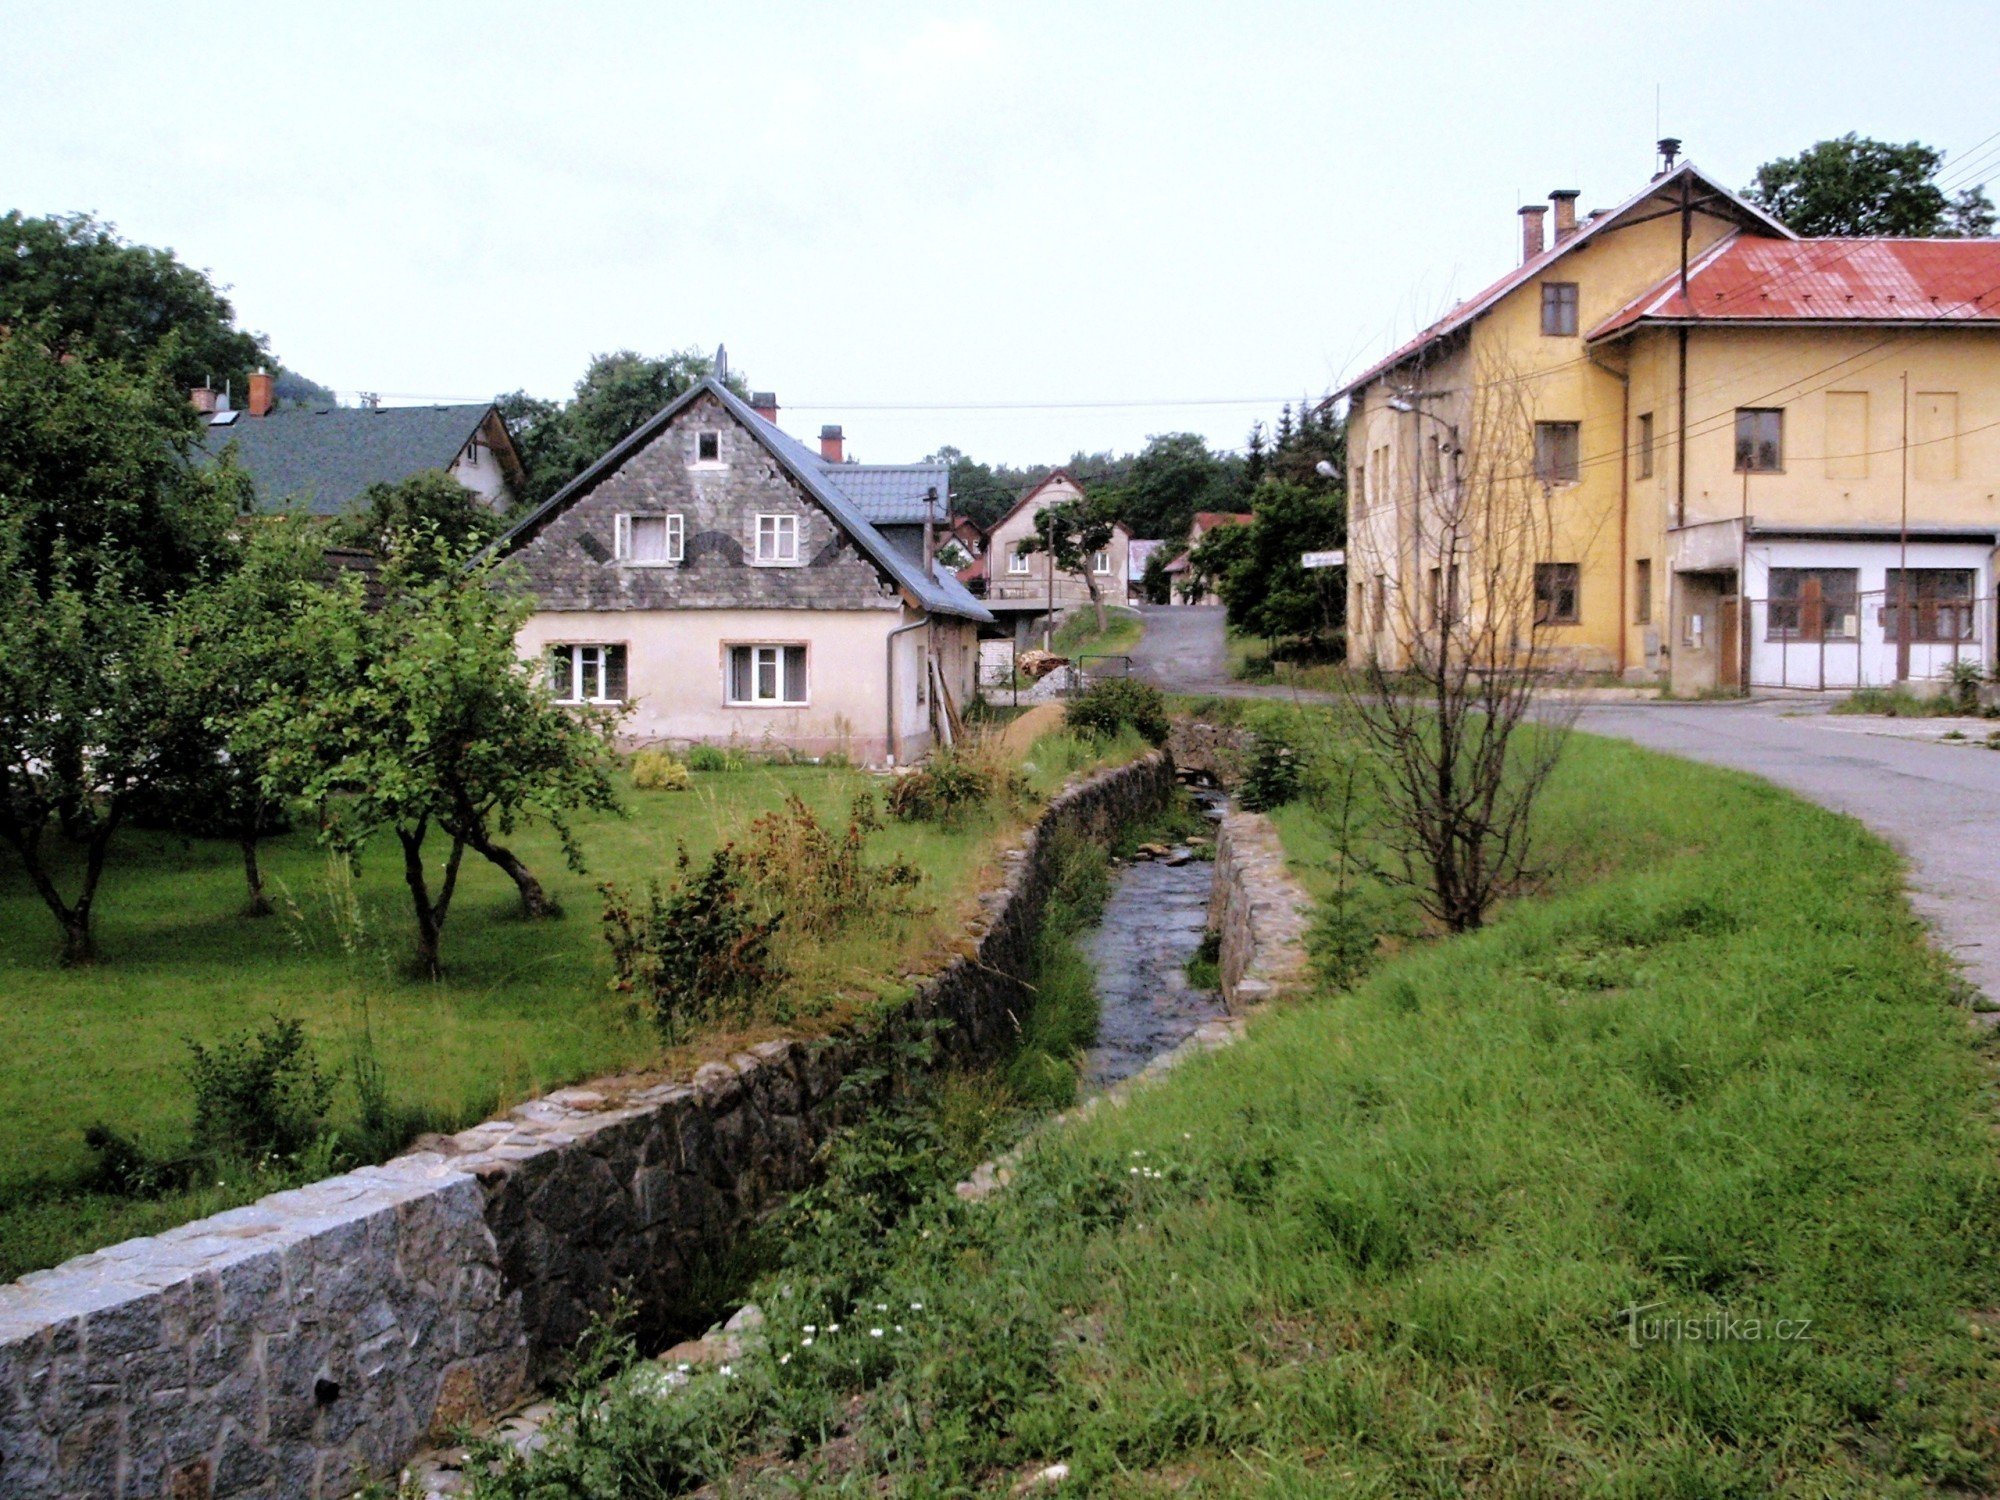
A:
1078	635
1390	1244
524	1006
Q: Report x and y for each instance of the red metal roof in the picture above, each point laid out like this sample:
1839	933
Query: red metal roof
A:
1717	199
1748	279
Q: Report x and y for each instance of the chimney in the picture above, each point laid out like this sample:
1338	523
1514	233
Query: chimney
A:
765	404
261	384
1531	232
1564	200
203	397
831	447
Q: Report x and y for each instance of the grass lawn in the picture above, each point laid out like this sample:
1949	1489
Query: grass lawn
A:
1389	1244
524	1006
1078	635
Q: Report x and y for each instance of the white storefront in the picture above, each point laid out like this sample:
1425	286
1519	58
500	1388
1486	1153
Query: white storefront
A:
1823	606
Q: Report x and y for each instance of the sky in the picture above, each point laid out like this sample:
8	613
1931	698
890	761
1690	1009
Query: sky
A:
1019	229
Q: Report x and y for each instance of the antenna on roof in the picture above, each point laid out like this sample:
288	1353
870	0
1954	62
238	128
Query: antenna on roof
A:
722	363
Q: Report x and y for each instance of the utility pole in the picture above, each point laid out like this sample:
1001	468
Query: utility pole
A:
1903	545
1049	551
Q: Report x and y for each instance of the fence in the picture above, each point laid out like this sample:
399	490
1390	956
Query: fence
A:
1819	642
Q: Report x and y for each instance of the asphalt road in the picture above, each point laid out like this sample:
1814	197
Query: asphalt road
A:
1938	803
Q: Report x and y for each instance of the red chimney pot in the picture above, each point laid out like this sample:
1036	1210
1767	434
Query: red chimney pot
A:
262	385
832	447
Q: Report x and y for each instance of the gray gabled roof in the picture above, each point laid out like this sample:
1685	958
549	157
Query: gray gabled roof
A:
942	594
324	457
887	494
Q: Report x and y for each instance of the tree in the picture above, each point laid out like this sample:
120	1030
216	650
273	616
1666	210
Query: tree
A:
412	514
1265	586
1073	533
93	295
1858	186
1173	478
421	715
106	525
618	391
976	491
1454	710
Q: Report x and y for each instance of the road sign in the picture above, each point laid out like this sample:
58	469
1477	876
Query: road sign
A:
1334	559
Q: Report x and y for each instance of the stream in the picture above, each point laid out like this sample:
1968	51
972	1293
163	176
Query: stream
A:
1151	927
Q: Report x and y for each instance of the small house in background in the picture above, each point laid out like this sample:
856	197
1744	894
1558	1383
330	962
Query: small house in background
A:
1138	552
727	584
1185	588
322	458
1018	587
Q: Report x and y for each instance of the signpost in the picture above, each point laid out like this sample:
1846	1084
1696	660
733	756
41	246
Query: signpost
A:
1334	559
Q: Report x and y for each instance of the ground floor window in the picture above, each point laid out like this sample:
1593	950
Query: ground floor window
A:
1813	604
587	674
1938	601
1642	591
767	674
1557	591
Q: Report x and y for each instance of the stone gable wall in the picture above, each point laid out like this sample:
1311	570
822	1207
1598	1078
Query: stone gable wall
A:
570	563
296	1346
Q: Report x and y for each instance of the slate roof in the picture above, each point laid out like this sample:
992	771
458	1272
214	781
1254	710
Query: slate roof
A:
940	593
1482	301
325	457
1744	279
887	494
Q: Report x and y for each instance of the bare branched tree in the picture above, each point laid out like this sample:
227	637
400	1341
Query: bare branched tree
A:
1452	690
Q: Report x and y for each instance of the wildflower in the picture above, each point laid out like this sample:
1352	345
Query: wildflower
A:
874	1333
881	1307
727	1371
833	1328
899	1328
812	1328
784	1359
916	1307
805	1343
685	1367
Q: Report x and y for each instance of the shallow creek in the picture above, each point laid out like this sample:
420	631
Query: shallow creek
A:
1152	925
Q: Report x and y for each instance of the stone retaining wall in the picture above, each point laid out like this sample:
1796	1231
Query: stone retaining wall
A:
1220	751
297	1346
1259	910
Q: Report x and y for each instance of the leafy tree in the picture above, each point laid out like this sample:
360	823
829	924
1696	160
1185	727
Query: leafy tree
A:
1858	186
1265	587
94	295
421	715
976	491
412	514
1073	533
618	391
106	525
1156	582
1214	559
1173	478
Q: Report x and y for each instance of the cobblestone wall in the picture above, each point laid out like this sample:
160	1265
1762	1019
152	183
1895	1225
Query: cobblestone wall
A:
1259	910
296	1346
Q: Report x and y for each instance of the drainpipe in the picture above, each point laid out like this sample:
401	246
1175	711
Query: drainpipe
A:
890	663
1624	492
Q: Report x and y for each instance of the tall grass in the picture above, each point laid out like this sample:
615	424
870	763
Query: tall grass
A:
1389	1245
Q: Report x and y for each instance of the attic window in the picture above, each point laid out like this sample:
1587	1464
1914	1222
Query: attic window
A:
708	447
1559	309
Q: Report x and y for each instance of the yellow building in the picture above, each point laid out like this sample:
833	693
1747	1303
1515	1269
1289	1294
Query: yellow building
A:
1714	412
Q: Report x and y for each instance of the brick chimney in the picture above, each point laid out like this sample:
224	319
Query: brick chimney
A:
203	397
831	446
1564	200
765	404
261	390
1531	232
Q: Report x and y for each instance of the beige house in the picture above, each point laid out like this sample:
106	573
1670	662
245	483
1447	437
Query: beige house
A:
1019	585
728	585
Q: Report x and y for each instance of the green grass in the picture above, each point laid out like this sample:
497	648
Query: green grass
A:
1382	1246
1078	635
524	1006
1901	703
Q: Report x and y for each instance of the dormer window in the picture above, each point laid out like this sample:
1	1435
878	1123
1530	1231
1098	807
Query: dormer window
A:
777	541
708	448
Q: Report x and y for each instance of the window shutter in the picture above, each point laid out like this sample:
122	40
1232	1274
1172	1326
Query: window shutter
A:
614	673
795	674
621	536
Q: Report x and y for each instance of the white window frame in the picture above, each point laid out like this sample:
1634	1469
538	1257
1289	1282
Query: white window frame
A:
780	524
1100	562
717	462
757	650
676	538
574	651
1017	562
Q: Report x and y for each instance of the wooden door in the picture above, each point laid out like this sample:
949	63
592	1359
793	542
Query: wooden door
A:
1729	643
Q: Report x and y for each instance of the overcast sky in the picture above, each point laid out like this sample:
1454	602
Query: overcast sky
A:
1059	219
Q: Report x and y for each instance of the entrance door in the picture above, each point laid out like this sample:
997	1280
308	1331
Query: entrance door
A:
1729	642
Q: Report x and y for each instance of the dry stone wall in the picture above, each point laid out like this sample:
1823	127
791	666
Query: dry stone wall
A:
297	1346
1259	911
